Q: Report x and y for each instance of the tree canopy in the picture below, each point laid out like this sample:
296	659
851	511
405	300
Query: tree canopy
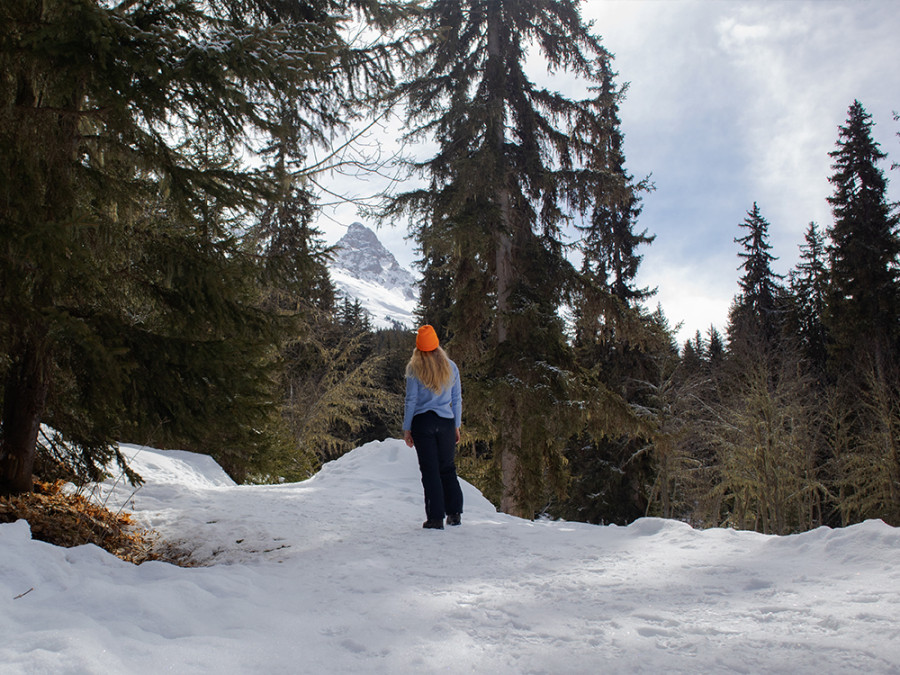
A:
133	152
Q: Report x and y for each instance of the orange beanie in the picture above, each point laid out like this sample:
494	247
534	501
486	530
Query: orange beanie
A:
427	339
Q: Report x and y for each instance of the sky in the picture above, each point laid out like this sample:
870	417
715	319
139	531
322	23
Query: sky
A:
337	575
728	103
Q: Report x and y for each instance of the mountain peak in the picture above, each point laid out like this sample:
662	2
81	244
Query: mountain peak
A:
357	232
360	252
364	269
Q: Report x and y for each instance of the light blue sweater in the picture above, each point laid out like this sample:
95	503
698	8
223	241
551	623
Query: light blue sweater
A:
420	398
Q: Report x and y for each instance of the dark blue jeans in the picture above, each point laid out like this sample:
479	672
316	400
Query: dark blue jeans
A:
435	441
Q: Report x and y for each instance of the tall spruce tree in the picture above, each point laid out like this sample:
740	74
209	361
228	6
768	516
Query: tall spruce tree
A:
290	249
754	319
607	317
761	414
609	241
123	291
863	317
715	350
863	328
809	289
616	343
491	216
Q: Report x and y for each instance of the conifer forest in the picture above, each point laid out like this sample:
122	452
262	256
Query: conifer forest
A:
162	280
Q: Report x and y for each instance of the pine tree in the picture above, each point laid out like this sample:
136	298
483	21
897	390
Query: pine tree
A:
715	350
754	319
864	295
436	286
609	243
353	317
491	219
809	289
608	320
125	294
761	419
291	252
862	326
693	356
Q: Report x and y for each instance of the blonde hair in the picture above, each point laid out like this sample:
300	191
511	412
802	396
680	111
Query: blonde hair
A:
431	368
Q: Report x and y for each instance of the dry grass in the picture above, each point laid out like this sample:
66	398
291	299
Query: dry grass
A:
71	520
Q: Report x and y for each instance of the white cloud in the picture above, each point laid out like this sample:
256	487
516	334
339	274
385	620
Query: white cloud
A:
696	297
736	102
804	64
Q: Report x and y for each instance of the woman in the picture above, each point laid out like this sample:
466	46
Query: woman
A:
431	422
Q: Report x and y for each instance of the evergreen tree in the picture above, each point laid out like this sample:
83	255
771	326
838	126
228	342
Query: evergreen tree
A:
125	294
295	275
612	472
491	217
864	295
809	288
715	349
761	412
612	333
436	286
693	354
861	320
353	317
609	243
754	318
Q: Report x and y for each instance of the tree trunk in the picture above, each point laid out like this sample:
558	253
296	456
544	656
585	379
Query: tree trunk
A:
504	267
509	446
509	442
25	396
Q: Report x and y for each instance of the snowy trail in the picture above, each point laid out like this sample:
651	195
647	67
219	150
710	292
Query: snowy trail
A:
336	575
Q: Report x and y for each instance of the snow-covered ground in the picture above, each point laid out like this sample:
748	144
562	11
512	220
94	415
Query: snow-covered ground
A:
386	305
336	575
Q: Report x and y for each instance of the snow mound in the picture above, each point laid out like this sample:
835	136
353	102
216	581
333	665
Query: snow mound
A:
188	469
336	575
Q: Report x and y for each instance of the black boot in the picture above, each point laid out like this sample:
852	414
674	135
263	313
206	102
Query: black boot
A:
453	519
433	524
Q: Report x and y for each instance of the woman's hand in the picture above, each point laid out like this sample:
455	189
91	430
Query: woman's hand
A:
457	435
407	436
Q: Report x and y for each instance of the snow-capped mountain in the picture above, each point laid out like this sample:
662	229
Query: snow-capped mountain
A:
365	270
